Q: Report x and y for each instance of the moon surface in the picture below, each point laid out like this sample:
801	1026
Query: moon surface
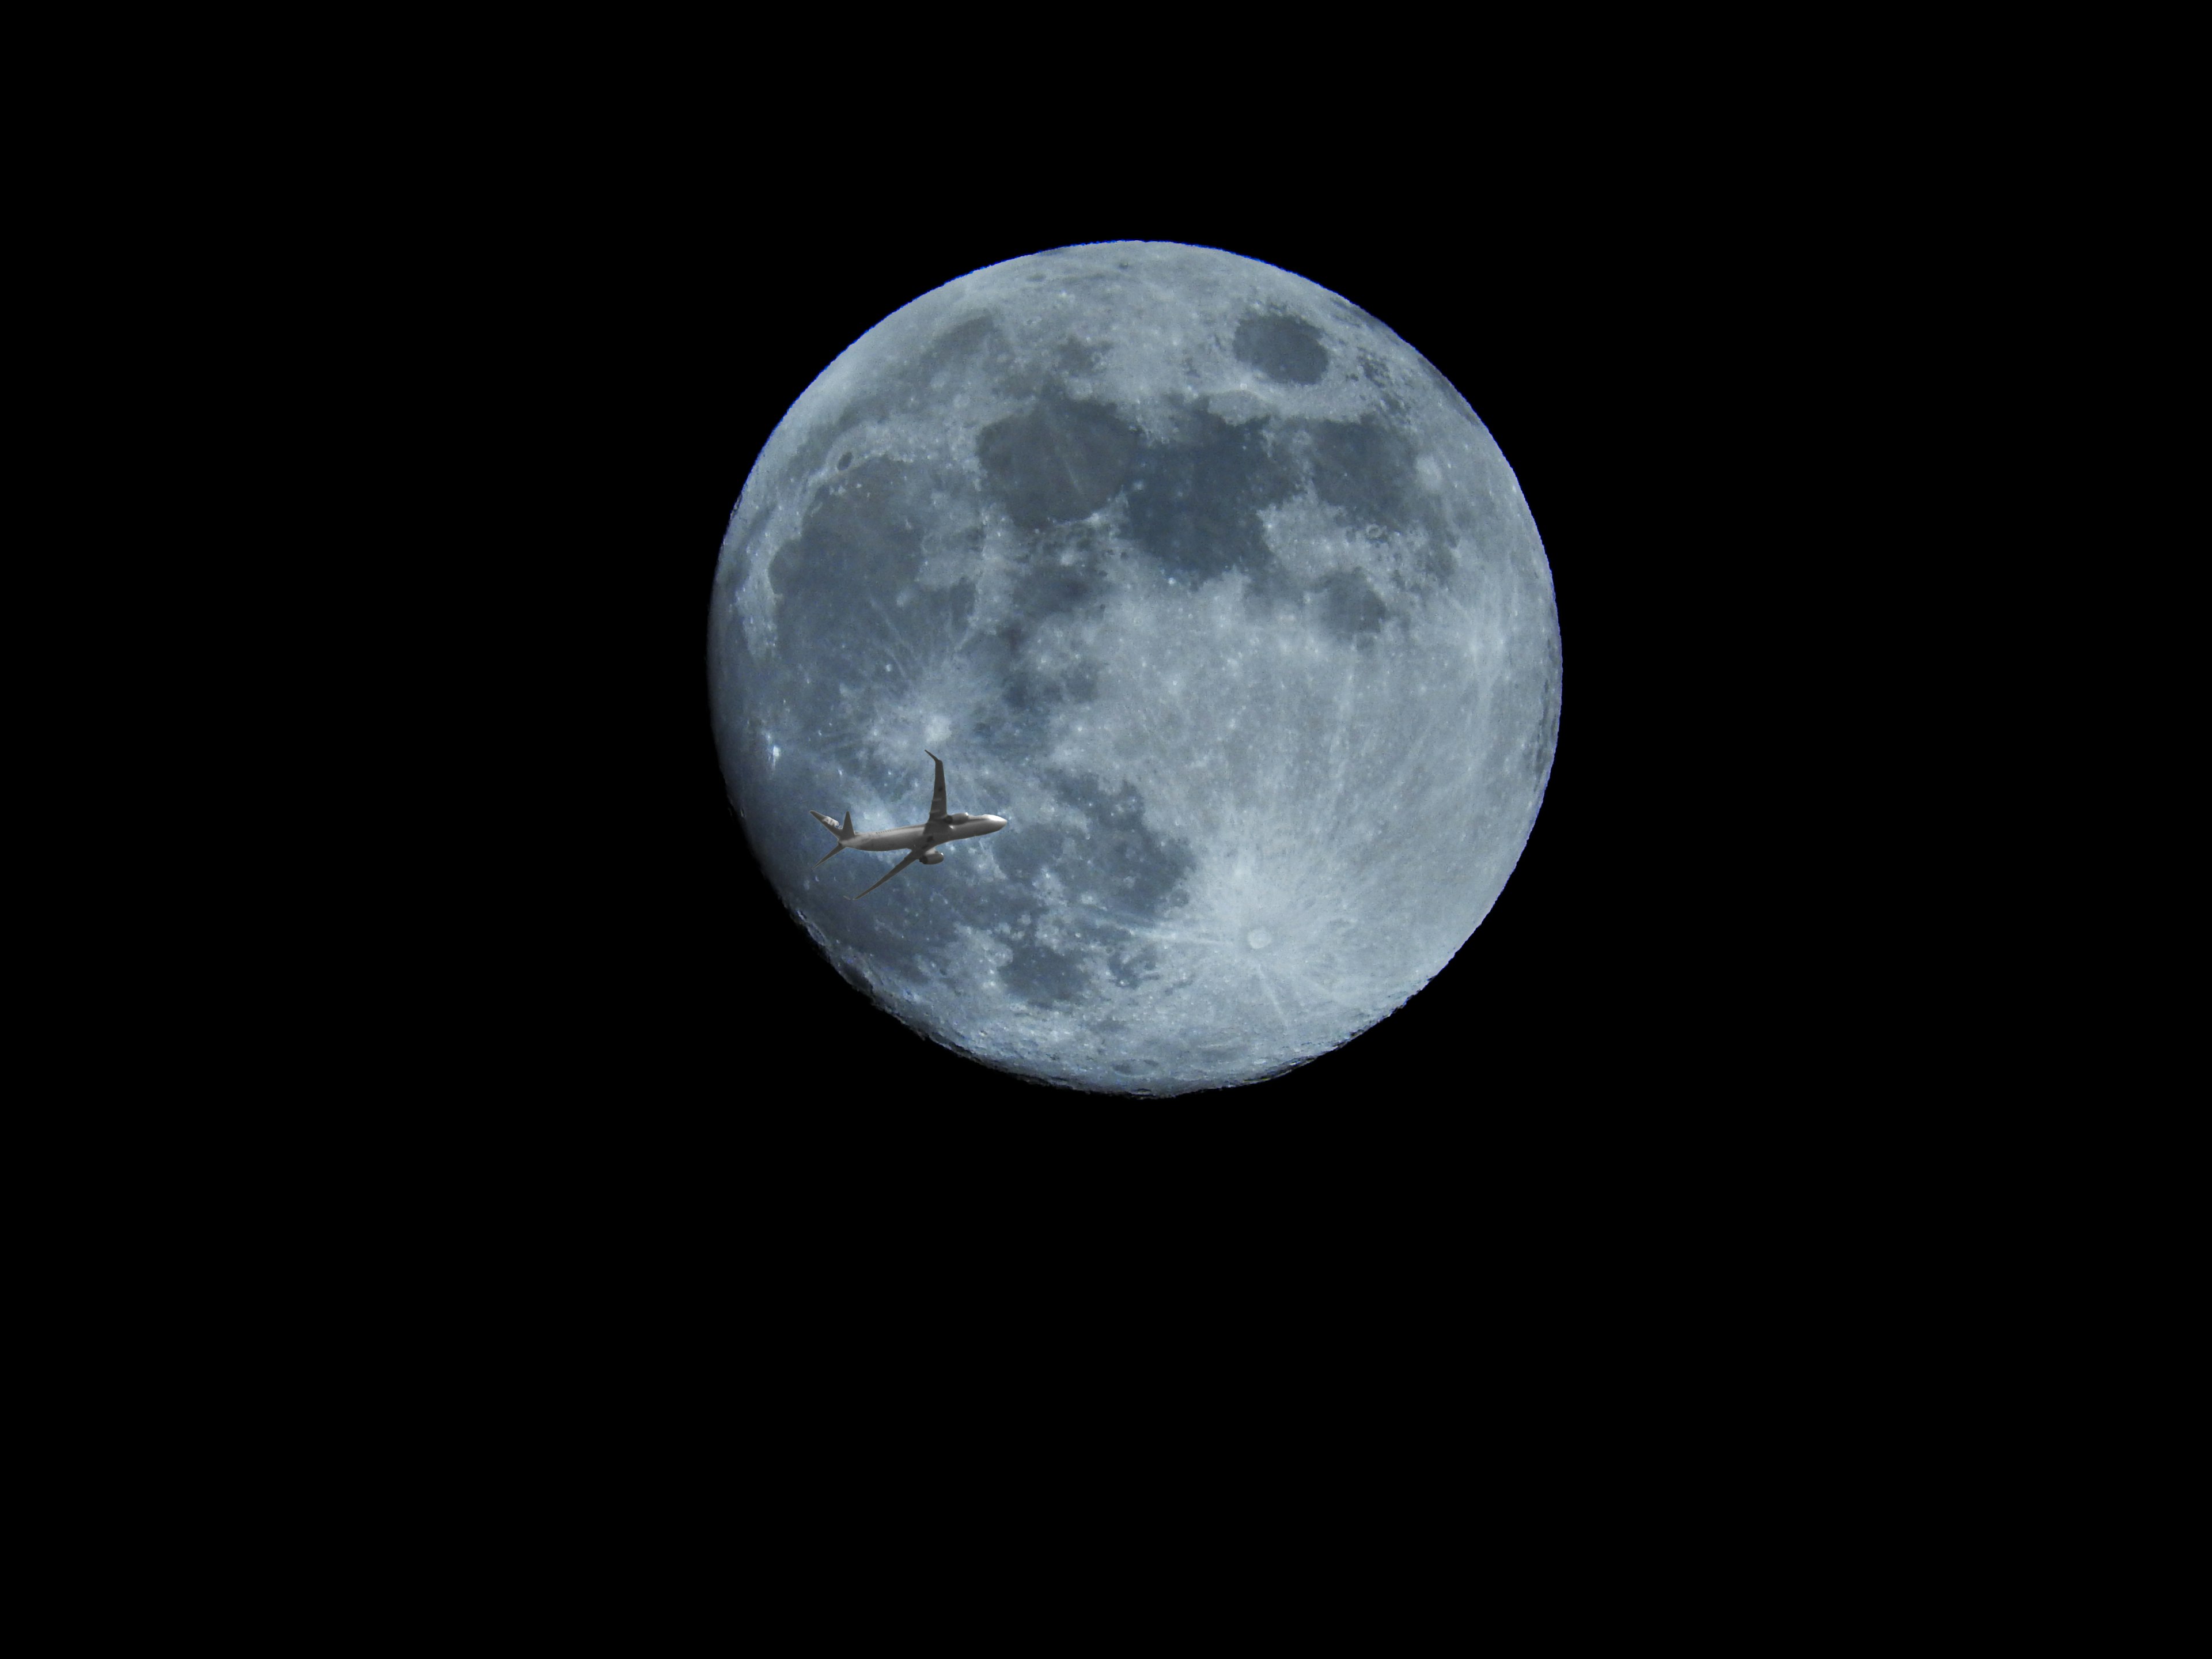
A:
1213	588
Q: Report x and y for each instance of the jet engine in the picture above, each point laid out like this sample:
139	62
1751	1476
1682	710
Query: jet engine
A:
934	856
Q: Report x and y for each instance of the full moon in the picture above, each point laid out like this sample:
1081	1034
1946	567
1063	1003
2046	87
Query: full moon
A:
1206	582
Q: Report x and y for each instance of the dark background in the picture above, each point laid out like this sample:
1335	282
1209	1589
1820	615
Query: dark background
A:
665	1110
651	348
663	1133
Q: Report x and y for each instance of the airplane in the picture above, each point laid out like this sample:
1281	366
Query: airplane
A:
924	839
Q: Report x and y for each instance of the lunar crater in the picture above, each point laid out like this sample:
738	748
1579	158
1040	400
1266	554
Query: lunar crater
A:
1283	347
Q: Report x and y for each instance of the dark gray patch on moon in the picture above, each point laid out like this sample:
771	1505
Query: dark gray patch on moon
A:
847	582
1031	690
1365	468
976	337
1194	503
1348	605
1282	348
1055	584
1058	460
1041	976
1126	864
1079	356
861	527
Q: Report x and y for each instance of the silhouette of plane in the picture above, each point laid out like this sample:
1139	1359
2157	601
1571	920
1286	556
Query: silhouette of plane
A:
924	839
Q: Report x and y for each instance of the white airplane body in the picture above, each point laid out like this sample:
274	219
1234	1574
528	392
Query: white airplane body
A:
922	843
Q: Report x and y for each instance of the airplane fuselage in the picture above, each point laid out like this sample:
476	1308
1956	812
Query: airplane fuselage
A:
912	835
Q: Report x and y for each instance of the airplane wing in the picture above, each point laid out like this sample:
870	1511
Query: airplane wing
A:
936	795
896	868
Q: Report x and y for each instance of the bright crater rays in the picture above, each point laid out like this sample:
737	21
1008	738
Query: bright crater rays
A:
1209	584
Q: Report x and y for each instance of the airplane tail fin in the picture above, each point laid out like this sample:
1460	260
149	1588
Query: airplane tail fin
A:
843	832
